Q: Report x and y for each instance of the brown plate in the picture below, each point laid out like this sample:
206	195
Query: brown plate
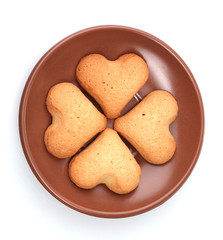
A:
167	71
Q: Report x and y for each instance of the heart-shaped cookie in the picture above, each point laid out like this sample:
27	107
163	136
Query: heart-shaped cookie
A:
112	83
146	126
107	160
75	120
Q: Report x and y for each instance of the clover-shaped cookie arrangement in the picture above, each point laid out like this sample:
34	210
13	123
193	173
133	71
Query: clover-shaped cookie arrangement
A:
75	120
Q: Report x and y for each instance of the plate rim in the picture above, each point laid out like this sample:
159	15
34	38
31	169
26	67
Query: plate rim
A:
27	152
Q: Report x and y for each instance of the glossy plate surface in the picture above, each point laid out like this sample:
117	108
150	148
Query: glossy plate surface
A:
167	72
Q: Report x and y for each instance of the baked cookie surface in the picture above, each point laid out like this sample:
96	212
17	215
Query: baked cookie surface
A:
75	120
146	126
107	160
112	83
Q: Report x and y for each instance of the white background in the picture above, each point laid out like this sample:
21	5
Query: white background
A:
194	29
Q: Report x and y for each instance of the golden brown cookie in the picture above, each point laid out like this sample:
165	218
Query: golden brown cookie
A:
75	120
107	160
112	83
146	126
